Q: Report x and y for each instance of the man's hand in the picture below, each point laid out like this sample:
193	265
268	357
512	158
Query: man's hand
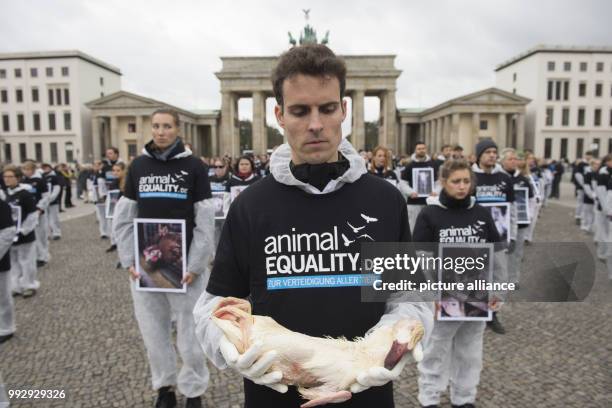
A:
253	365
495	304
377	376
133	274
189	278
414	194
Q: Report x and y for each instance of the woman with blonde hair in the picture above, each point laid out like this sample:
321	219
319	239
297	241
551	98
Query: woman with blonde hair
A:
381	165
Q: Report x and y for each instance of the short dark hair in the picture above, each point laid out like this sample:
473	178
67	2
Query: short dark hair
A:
419	142
244	157
311	59
114	149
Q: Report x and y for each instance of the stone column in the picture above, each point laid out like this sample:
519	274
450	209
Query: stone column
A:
390	121
140	140
454	129
259	124
214	143
358	127
230	139
114	129
403	139
96	141
446	130
502	131
520	131
475	129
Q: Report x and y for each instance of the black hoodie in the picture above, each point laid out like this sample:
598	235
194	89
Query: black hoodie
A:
166	184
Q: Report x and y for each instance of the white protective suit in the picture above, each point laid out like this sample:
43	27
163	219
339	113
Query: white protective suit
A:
7	309
601	217
42	229
154	311
53	211
454	352
23	256
209	334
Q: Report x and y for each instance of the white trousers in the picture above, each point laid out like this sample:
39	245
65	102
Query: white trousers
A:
579	203
515	259
102	221
42	238
54	222
7	308
454	353
413	213
23	267
588	214
154	312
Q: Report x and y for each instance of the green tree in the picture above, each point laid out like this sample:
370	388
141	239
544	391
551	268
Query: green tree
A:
371	135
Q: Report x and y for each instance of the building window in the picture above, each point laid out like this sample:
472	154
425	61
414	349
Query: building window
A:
34	94
514	77
101	94
8	154
131	128
611	117
51	120
551	65
582	89
19	95
581	115
4	96
609	146
132	150
67	121
599	89
484	125
583	68
597	117
565	114
49	71
20	122
58	96
64	71
6	123
101	81
563	148
51	102
69	152
33	72
36	120
23	152
2	73
579	147
549	116
53	149
547	148
514	91
567	66
38	152
66	96
599	67
557	90
596	142
17	72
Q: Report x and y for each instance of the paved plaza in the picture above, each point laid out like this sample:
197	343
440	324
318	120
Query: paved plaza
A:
79	334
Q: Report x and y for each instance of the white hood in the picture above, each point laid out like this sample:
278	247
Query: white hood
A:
279	167
414	158
496	169
435	200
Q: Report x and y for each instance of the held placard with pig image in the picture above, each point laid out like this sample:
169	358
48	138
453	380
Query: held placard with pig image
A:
160	253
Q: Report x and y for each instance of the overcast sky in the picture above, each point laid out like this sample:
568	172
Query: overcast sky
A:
170	50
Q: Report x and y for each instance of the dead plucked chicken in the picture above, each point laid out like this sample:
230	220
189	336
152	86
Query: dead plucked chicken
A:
323	369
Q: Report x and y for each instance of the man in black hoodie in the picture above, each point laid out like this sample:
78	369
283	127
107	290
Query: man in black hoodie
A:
419	160
493	186
318	189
